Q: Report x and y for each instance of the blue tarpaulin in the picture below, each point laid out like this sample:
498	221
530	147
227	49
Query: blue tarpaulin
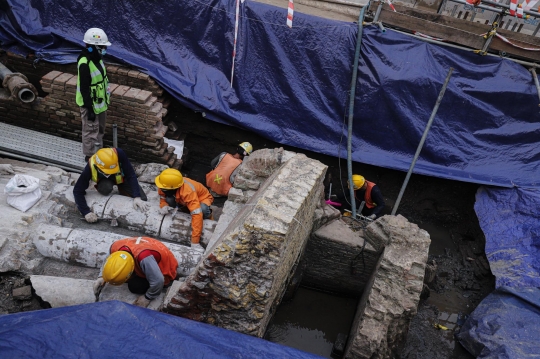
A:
292	85
509	220
506	325
119	330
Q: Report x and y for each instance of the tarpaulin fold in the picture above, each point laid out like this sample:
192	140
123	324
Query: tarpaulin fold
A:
509	220
506	325
291	84
118	330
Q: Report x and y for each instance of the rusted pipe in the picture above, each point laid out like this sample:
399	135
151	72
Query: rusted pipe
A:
18	85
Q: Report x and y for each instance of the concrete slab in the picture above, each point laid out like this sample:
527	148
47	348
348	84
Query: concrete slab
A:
62	292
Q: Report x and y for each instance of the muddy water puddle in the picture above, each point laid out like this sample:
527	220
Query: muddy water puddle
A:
311	321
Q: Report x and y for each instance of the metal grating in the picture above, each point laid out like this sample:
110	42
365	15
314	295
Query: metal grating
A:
41	146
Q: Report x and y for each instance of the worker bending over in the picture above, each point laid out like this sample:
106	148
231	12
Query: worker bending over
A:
176	191
224	168
154	265
370	193
108	167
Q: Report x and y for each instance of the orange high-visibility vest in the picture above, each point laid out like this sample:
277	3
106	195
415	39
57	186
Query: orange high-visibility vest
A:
165	259
219	179
367	196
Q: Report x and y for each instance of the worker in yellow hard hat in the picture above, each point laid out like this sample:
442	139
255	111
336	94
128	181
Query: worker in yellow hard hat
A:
108	167
146	264
368	192
224	169
175	191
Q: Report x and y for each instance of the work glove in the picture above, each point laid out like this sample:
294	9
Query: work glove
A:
142	301
139	204
98	286
91	115
91	217
197	247
373	216
165	210
6	169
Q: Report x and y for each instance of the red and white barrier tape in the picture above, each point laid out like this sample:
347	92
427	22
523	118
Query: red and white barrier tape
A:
521	47
427	36
235	37
290	13
391	5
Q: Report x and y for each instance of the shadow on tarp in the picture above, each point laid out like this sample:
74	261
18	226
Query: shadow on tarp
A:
509	220
506	325
115	329
291	85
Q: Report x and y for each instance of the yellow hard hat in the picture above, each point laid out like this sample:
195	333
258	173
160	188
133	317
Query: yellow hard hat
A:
106	160
247	147
169	179
118	268
358	181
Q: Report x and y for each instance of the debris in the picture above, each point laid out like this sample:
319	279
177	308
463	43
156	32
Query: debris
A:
22	293
438	326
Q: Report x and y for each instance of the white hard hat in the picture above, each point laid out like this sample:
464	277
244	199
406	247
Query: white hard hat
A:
95	36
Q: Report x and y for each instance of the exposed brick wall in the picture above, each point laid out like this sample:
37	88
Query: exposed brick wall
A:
122	75
137	113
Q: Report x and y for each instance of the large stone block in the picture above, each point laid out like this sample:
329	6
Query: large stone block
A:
243	276
391	297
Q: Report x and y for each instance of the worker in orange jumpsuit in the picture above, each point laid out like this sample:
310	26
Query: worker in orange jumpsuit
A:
175	191
224	167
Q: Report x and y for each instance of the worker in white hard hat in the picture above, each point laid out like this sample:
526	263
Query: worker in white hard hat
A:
368	192
93	94
224	168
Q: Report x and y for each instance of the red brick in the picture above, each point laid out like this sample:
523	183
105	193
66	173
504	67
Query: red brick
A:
62	79
120	91
51	76
143	96
131	93
72	82
133	73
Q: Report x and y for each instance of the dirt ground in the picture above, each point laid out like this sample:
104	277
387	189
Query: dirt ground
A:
444	208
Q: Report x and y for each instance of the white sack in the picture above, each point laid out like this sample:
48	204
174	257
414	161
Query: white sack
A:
22	192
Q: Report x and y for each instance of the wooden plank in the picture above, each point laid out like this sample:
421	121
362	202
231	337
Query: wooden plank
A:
448	33
458	31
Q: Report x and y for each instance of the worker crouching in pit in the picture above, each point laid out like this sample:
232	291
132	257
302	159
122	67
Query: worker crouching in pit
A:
224	168
179	193
108	167
153	263
368	192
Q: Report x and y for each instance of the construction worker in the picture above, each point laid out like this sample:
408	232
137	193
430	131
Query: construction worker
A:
176	191
108	167
224	168
370	193
92	94
154	265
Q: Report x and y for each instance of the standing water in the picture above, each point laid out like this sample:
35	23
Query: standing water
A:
311	321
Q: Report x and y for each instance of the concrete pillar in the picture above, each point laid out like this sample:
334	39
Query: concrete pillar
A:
90	248
151	222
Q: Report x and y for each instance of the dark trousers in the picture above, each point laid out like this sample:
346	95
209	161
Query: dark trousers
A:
137	285
105	187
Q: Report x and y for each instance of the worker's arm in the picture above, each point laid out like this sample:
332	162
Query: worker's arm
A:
232	177
129	173
377	198
192	203
85	80
79	191
215	162
162	202
153	274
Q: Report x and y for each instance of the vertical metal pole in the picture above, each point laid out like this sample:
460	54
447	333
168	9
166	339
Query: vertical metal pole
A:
351	106
378	12
535	77
115	135
421	144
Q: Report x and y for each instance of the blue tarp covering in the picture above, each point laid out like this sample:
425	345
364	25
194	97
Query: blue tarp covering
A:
119	330
509	220
291	85
506	325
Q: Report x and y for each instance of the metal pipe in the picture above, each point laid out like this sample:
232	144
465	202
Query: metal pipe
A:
524	63
422	140
115	135
535	77
381	27
351	106
30	159
18	85
378	12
